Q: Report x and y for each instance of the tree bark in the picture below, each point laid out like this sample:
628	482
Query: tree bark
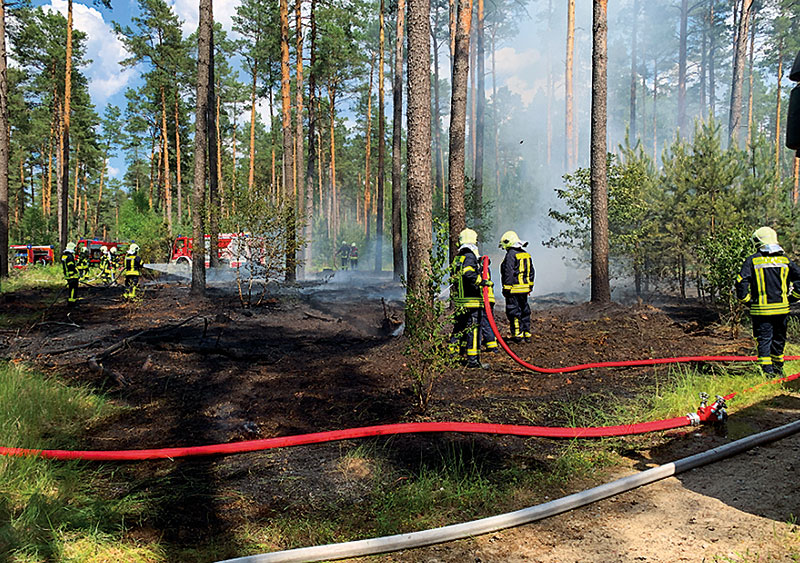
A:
778	145
368	149
205	29
438	156
381	147
458	118
252	168
712	55
569	127
63	187
165	152
179	179
750	82
4	147
418	164
480	115
300	180
735	116
213	161
601	290
397	137
289	176
311	171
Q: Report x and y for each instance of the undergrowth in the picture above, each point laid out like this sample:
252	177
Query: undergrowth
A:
34	276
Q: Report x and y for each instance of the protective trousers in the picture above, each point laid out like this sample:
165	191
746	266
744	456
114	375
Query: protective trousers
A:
488	339
131	285
466	328
518	311
72	290
770	334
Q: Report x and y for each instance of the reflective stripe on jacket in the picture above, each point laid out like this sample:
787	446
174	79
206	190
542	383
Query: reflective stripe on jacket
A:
132	265
517	271
69	265
766	281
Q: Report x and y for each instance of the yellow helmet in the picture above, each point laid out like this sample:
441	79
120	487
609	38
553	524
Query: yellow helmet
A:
508	240
70	247
467	236
765	235
133	248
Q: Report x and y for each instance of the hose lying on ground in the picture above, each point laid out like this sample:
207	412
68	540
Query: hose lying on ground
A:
526	515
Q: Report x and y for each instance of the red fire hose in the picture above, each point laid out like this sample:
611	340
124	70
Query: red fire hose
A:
704	413
580	367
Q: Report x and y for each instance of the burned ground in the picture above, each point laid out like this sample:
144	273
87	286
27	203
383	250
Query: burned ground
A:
322	358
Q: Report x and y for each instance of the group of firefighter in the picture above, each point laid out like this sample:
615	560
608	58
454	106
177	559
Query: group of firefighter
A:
348	256
76	266
768	282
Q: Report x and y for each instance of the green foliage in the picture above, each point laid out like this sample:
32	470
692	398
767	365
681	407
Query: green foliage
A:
427	334
139	223
722	255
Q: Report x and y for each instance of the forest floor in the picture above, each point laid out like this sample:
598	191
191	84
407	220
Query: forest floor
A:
322	357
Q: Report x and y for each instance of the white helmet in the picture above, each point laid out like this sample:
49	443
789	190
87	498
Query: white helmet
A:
104	249
70	247
133	248
113	250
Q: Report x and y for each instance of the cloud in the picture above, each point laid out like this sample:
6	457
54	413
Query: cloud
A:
106	77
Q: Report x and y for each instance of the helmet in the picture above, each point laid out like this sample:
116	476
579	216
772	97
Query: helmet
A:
467	236
113	250
104	249
353	245
765	235
70	247
84	250
508	240
133	248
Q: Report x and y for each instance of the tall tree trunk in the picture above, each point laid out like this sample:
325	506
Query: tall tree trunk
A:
470	157
63	186
100	194
289	176
796	176
252	168
704	67
778	112
204	45
334	206
418	164
438	156
300	180
735	116
682	67
311	172
601	290
178	179
75	199
381	148
4	147
458	118
496	115
397	136
213	160
480	115
750	82
632	118
368	149
220	180
165	151
569	127
712	56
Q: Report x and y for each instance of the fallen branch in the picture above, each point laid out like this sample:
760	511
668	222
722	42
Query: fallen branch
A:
320	317
96	367
125	341
58	323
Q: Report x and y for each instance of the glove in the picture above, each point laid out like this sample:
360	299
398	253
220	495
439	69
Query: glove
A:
487	283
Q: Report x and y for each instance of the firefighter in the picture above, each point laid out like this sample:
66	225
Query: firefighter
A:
768	282
465	292
353	257
488	339
517	275
106	266
132	271
82	264
344	254
70	266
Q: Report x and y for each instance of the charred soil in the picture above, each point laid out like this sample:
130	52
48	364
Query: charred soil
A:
312	359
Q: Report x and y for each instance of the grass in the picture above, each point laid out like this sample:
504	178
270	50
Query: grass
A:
34	277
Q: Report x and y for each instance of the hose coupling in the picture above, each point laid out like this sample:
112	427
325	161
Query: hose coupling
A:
694	418
718	409
703	400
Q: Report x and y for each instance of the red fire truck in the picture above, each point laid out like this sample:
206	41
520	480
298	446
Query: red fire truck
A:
24	255
229	249
94	246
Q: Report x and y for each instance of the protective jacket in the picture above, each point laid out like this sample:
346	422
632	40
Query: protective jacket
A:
517	271
465	288
70	266
133	265
768	281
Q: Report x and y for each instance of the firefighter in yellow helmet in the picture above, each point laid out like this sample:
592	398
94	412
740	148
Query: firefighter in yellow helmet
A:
69	265
132	271
465	293
82	260
517	273
106	266
768	282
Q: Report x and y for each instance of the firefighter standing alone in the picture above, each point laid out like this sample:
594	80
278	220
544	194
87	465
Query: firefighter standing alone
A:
517	274
70	266
768	282
132	271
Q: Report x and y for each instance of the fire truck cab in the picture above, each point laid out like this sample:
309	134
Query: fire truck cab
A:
24	255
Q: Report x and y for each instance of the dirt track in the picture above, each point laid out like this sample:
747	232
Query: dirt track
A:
318	360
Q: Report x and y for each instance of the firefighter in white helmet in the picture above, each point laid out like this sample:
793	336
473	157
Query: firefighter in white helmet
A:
106	266
70	266
465	292
517	273
132	271
768	282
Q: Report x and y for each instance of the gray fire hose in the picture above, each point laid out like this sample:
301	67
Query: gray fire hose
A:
526	515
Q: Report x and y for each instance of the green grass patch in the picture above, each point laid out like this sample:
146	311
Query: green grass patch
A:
34	277
55	510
